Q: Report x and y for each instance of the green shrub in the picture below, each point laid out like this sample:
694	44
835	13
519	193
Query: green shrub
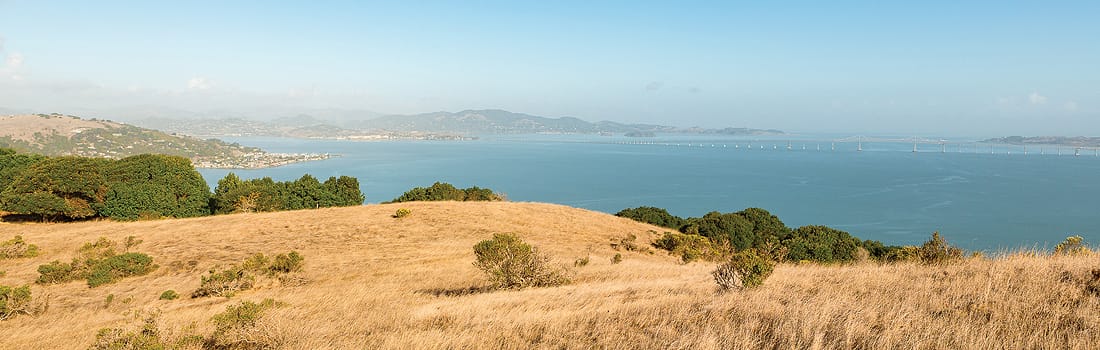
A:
55	272
402	212
113	268
256	263
147	337
243	276
224	283
241	327
746	269
15	301
937	251
511	263
653	216
628	243
1073	245
285	263
17	248
442	191
690	247
902	254
618	258
821	244
169	295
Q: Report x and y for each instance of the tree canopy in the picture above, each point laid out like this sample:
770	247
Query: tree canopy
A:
442	191
150	185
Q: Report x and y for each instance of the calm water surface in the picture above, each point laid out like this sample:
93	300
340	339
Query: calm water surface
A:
977	200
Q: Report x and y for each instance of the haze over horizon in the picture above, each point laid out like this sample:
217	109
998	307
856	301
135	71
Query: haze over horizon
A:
943	68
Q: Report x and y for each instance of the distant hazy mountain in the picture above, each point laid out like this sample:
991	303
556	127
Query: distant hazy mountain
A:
1075	141
495	121
346	123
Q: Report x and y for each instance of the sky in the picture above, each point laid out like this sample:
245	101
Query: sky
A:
920	67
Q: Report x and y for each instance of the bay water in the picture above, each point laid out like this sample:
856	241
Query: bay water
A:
979	198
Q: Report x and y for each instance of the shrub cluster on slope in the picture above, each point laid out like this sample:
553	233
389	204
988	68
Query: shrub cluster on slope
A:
717	235
18	301
240	326
17	248
99	263
234	195
442	191
242	276
150	186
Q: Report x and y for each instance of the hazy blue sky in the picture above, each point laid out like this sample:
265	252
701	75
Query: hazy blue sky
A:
946	67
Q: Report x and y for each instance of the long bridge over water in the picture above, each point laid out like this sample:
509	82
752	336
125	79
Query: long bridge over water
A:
860	143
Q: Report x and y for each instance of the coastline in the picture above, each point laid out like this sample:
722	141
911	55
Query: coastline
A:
258	160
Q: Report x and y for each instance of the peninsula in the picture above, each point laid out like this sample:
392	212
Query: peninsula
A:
66	135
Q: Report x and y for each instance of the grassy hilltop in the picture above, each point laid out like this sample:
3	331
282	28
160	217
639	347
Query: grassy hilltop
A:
370	280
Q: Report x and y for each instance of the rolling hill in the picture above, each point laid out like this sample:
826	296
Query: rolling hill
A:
373	281
65	135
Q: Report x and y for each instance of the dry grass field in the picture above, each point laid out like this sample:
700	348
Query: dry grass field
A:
23	127
379	282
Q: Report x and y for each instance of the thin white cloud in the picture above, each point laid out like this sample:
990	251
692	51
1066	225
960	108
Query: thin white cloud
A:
655	85
1036	99
12	66
14	61
199	83
1071	106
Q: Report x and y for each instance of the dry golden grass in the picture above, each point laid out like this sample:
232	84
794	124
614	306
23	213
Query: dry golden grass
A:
381	282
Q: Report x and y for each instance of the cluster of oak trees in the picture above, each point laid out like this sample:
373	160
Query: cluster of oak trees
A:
757	229
149	186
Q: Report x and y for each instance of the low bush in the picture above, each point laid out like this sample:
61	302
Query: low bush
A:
582	262
17	248
285	263
55	272
224	283
98	264
690	247
240	277
618	258
937	251
746	269
169	295
15	301
402	212
629	243
1073	245
113	268
903	254
241	327
511	263
147	337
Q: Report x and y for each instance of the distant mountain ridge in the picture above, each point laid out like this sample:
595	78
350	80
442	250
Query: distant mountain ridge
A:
435	125
1075	141
495	121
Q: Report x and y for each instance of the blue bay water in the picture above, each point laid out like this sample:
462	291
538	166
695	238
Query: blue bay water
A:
975	199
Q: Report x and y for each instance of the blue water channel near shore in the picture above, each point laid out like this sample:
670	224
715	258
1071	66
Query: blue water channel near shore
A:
978	197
